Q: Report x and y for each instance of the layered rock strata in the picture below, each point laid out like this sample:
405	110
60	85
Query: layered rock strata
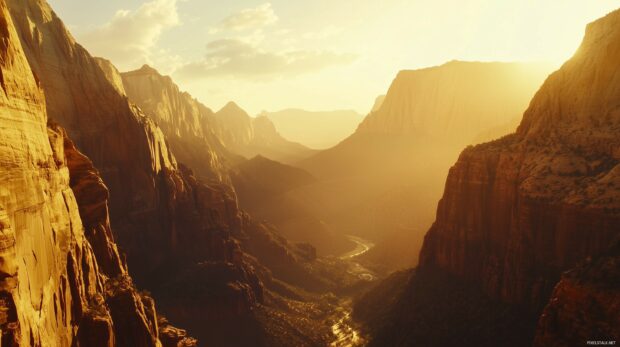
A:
518	211
59	263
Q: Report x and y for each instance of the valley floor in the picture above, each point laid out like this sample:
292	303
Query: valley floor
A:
344	329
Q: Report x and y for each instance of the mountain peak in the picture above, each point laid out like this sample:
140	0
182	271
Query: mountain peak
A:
231	108
232	105
148	68
144	70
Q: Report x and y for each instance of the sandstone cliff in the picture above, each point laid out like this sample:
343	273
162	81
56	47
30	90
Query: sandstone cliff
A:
455	101
60	266
182	235
189	126
518	211
159	213
584	306
152	200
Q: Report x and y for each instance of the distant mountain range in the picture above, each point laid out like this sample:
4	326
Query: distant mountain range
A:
317	130
256	136
189	124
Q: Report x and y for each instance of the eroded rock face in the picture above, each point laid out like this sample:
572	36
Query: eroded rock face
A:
162	216
52	290
454	102
126	147
518	211
512	221
584	306
189	126
92	197
154	205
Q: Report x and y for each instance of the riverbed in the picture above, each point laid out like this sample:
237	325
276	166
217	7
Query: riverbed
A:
354	267
361	246
344	330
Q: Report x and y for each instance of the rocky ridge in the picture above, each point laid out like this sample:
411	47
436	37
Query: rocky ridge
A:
188	125
256	136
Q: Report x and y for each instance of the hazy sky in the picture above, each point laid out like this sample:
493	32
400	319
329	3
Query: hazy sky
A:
319	54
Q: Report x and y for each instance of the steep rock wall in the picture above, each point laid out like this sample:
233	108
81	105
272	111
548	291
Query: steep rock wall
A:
518	211
52	290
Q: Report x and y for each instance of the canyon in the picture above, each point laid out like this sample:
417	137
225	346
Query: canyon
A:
519	211
383	181
474	205
165	219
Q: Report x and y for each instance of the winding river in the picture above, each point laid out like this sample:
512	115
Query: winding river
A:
346	335
361	246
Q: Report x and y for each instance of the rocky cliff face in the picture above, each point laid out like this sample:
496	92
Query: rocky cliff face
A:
250	137
584	305
181	234
147	186
189	126
60	266
162	216
518	211
454	102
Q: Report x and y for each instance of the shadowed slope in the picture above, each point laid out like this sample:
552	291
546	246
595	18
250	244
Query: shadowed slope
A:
519	211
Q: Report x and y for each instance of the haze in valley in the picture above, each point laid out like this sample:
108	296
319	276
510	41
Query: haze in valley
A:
186	173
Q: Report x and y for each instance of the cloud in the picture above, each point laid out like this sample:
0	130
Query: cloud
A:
129	38
235	58
249	18
324	33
